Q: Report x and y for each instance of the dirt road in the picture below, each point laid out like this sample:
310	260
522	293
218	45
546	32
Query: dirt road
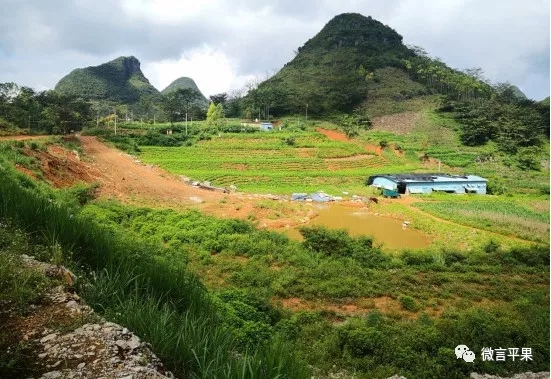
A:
123	177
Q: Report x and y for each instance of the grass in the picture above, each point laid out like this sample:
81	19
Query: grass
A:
140	263
123	274
440	294
264	163
508	217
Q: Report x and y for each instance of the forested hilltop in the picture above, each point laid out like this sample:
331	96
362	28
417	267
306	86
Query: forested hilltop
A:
183	83
120	80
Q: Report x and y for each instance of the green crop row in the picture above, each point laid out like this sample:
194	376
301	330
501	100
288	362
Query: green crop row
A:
506	217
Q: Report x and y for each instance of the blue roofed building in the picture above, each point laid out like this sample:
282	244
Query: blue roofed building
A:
428	183
266	126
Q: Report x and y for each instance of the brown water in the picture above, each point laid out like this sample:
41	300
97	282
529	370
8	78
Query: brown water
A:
390	232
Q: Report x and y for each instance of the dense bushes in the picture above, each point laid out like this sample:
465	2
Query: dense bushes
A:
338	243
162	302
424	347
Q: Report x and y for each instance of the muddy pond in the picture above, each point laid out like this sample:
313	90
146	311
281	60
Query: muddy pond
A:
392	233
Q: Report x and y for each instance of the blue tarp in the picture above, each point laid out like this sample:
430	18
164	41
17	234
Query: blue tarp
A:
320	197
299	196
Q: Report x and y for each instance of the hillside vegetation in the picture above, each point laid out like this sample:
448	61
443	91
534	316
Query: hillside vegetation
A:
138	267
184	83
120	80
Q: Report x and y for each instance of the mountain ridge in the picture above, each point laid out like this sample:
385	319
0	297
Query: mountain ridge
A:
119	80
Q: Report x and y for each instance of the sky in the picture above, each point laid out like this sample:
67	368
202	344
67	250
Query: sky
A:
223	44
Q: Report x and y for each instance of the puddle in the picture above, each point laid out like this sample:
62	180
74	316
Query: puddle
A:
390	232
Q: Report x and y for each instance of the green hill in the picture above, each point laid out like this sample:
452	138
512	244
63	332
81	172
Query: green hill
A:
333	71
183	83
356	61
120	80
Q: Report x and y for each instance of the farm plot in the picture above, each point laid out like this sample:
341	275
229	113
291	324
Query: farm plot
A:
276	163
505	217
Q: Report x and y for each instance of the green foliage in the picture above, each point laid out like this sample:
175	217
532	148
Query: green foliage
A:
119	81
84	193
338	243
353	124
437	76
21	285
47	111
160	300
408	303
184	83
327	75
182	104
512	125
215	115
505	216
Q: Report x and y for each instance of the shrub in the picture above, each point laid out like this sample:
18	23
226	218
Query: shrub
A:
416	258
408	303
330	242
451	257
84	193
491	247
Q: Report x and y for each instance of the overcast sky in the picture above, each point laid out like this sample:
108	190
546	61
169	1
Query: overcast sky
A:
221	44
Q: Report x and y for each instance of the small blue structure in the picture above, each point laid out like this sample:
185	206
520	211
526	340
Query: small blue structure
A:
299	196
266	126
428	183
321	197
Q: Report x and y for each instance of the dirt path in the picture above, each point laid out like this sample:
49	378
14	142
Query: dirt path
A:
122	177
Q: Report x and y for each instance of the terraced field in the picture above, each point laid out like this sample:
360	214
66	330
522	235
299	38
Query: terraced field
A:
276	163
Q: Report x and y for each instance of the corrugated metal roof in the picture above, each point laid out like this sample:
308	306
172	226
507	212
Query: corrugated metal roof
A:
427	178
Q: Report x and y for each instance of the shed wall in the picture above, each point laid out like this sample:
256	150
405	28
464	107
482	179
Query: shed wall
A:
384	183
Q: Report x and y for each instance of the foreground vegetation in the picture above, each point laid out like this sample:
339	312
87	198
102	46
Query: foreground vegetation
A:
164	303
409	309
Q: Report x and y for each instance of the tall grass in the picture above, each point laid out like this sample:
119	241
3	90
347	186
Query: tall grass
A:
166	305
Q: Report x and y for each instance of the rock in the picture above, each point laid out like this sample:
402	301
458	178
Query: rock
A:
81	365
526	375
69	277
49	337
72	304
52	375
56	364
134	342
43	355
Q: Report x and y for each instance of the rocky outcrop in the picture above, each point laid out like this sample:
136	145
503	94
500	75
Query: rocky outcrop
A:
71	341
526	375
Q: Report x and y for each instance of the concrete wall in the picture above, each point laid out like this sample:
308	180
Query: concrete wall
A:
384	183
474	187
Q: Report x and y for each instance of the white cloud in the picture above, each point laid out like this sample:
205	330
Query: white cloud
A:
220	42
167	11
212	70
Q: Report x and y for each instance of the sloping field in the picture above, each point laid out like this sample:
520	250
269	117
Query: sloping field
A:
276	163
